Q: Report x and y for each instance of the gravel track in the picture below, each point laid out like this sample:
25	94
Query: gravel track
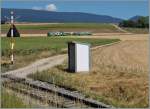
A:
39	65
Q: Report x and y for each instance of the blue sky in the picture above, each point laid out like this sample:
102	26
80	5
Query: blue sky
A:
115	8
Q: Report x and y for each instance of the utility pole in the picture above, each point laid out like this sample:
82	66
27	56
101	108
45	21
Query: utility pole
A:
12	40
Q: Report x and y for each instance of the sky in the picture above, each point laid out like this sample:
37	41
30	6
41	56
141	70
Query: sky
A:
116	8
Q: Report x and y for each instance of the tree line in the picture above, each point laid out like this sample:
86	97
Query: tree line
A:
141	22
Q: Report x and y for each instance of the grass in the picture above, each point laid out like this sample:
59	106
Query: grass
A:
137	30
26	49
67	26
11	100
62	25
30	44
111	87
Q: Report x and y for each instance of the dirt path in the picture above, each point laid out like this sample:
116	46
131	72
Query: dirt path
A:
39	65
120	29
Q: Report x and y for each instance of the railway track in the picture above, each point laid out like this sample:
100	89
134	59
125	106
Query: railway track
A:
49	93
45	96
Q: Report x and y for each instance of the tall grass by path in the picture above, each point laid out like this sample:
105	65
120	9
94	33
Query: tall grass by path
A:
102	85
11	100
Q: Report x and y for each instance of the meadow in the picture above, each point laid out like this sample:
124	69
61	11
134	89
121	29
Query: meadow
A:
29	49
62	25
44	28
91	27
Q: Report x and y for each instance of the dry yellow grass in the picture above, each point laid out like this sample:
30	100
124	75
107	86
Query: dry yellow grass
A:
127	54
119	75
121	72
122	36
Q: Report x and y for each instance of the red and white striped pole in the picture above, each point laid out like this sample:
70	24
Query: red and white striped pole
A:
12	35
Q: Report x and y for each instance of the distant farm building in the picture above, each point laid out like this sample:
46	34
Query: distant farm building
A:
81	33
68	33
78	57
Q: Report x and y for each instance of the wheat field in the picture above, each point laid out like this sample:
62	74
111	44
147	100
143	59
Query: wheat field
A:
122	73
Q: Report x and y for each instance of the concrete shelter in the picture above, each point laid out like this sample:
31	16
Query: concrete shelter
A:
78	57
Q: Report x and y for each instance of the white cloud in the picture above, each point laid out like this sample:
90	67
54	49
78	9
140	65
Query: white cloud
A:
51	7
37	8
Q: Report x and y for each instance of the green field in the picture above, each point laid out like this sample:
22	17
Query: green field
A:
29	49
31	45
62	25
92	27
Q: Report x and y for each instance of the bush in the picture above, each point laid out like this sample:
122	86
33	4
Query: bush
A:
141	22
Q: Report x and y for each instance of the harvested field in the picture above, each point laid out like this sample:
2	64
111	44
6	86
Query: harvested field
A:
137	30
122	70
123	37
127	54
119	75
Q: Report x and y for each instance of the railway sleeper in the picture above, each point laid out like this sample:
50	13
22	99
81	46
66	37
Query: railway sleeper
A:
43	86
48	97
